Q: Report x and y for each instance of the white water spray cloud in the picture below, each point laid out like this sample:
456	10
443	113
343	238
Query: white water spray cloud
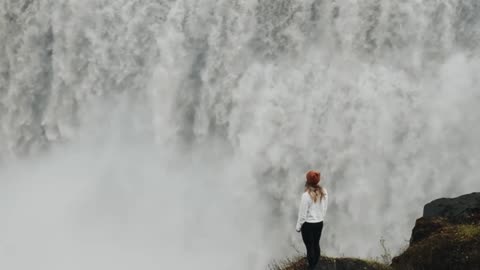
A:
189	124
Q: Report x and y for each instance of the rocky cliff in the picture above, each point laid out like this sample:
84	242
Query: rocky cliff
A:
447	237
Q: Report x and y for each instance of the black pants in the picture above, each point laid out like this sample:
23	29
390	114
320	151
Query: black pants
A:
311	233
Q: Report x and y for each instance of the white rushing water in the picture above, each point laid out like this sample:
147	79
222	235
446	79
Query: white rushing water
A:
141	134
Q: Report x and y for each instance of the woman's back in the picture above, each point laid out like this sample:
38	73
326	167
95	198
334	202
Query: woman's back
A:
315	210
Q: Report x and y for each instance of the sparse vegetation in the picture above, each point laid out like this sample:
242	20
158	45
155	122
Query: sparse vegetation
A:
386	256
378	265
296	263
327	263
468	232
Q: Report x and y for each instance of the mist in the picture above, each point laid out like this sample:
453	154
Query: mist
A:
131	208
176	134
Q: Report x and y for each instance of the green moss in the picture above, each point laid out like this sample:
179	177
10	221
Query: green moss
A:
468	232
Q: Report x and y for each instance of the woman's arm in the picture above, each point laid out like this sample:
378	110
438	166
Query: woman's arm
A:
302	213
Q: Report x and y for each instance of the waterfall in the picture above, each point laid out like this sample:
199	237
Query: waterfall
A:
176	134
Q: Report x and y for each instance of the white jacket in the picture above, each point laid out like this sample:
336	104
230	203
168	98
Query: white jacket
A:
311	212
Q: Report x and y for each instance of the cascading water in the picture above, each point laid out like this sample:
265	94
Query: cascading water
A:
140	134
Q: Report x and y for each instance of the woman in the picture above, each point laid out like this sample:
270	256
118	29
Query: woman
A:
313	207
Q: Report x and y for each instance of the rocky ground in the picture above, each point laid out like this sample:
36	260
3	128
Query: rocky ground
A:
327	263
446	237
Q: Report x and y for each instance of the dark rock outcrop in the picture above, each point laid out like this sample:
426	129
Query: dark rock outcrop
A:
447	237
460	210
425	227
